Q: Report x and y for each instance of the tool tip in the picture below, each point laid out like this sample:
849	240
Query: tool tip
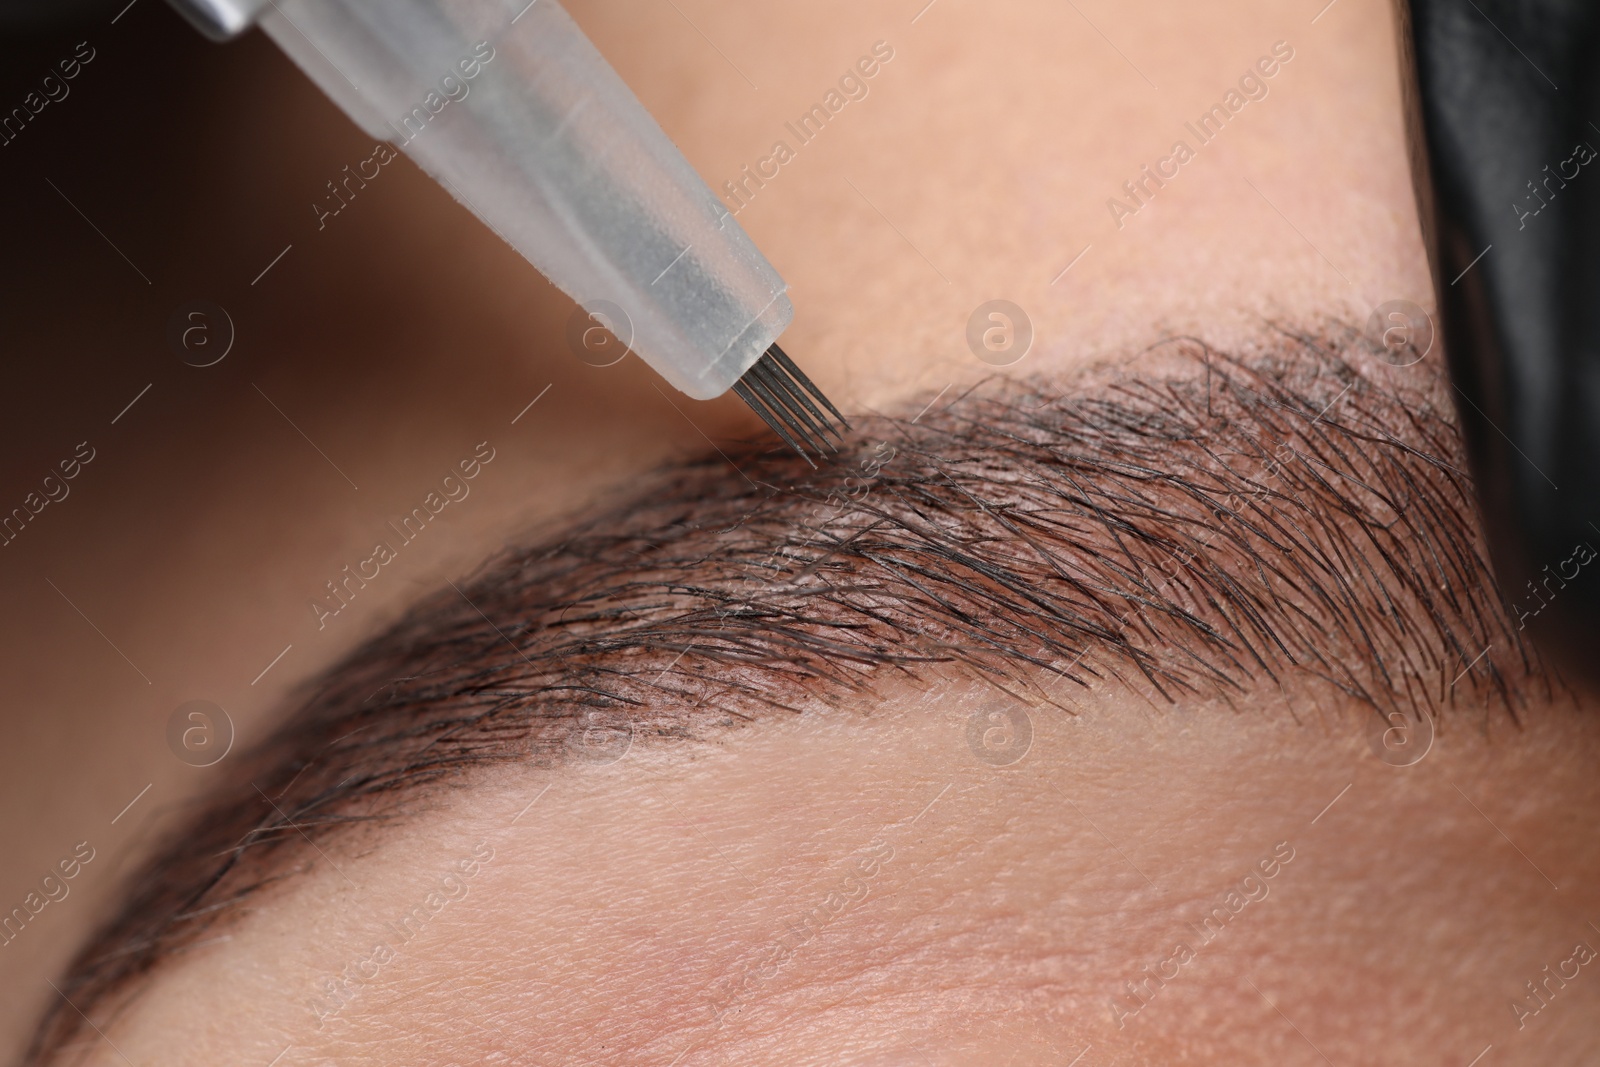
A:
783	396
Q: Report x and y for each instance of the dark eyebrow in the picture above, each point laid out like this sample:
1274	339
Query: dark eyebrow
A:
1280	519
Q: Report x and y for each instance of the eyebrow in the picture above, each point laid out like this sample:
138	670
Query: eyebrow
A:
1282	518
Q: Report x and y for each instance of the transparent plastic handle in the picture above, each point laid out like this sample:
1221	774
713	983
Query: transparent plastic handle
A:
512	109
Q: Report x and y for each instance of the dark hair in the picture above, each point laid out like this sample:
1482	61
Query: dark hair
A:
1281	520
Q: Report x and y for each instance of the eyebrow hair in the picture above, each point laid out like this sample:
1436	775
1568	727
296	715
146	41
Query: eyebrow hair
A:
1297	517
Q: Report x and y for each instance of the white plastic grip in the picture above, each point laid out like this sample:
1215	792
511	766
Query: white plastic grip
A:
511	108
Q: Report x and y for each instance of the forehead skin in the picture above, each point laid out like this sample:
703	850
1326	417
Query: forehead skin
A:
861	888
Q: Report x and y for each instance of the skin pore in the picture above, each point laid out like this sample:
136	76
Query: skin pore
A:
627	912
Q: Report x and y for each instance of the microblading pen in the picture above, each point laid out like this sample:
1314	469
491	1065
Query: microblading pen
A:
510	107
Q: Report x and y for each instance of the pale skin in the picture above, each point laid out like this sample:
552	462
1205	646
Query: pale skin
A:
630	911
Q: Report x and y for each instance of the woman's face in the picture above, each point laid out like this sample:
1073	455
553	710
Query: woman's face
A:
1131	695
